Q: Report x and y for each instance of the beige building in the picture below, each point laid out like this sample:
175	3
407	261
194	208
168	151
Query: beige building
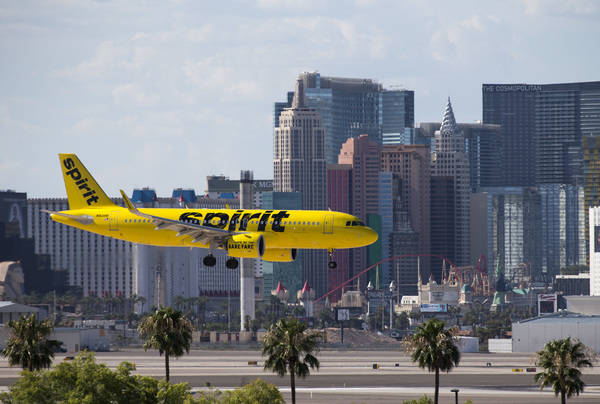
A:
11	280
450	160
299	166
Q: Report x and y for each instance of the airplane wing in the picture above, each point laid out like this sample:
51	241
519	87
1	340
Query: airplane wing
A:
200	234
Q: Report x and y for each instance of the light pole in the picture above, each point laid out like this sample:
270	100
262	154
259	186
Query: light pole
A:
455	391
392	290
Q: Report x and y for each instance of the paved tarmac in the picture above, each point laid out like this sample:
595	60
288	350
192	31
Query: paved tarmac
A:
349	377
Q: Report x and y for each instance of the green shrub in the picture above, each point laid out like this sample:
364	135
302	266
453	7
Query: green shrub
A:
422	400
255	392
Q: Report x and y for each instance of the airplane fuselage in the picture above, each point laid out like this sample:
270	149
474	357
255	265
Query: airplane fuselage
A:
280	228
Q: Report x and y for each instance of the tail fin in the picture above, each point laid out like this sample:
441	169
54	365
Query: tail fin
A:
82	190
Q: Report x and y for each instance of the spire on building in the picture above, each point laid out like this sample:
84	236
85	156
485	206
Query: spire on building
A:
298	101
448	122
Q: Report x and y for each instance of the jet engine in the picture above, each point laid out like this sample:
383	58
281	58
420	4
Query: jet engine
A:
249	245
280	254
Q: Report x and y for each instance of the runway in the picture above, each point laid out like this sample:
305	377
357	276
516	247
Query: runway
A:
350	376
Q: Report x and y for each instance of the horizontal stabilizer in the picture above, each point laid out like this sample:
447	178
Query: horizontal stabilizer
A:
83	219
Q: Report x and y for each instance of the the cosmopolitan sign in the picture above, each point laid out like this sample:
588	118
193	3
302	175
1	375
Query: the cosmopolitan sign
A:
434	308
505	88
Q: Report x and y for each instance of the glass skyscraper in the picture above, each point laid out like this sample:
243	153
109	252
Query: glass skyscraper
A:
350	107
542	127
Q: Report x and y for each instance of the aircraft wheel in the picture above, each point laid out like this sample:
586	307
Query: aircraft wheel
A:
209	261
332	264
231	263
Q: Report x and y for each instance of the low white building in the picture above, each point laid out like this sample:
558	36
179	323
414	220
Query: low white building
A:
14	311
532	334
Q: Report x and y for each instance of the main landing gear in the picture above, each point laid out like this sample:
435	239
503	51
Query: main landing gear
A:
231	263
211	261
331	257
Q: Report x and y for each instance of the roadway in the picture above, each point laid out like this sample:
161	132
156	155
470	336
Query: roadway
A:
348	376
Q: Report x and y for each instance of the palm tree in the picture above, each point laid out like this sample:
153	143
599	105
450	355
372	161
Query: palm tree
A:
561	360
433	348
28	345
168	331
290	348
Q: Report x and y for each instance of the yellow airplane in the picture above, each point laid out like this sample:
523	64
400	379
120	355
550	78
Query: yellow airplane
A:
273	235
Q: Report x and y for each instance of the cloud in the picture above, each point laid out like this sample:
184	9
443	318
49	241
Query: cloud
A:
297	5
130	95
561	8
109	57
457	43
214	75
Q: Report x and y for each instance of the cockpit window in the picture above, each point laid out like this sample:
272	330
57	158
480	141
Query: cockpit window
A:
348	223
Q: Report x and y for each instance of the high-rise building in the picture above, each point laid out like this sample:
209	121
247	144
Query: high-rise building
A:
96	263
15	245
542	127
339	199
594	248
410	166
591	172
398	236
386	213
398	116
350	107
563	219
512	218
363	155
299	166
449	159
443	223
483	145
221	187
13	213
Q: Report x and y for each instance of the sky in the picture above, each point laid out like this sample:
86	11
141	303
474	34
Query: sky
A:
164	93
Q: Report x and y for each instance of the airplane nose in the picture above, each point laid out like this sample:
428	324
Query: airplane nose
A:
371	235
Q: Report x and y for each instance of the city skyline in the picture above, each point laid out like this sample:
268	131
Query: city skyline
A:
179	91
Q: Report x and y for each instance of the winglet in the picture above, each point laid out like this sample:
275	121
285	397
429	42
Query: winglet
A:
128	203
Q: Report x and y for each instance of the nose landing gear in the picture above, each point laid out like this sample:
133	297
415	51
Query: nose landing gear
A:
331	256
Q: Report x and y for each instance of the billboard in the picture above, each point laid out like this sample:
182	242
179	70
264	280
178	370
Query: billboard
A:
434	308
343	315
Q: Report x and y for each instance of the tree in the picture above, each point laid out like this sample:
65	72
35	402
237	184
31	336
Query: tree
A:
85	381
255	392
561	360
289	348
401	321
433	347
168	331
29	345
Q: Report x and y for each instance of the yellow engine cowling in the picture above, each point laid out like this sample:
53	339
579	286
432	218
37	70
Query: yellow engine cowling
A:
249	245
280	254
